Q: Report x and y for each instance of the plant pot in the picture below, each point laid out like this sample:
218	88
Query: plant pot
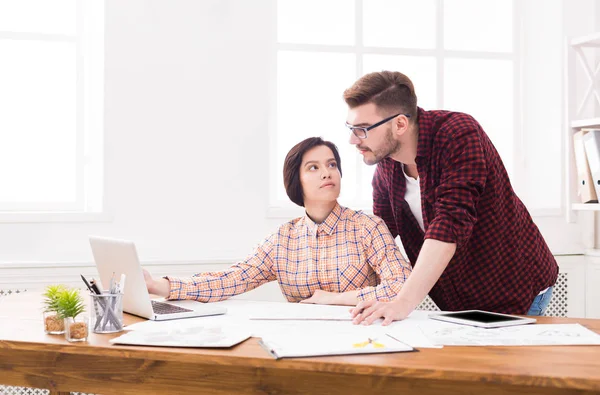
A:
77	329
52	324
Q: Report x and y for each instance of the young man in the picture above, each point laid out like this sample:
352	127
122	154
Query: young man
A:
441	185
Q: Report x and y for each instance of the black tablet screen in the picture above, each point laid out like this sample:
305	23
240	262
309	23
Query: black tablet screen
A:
479	316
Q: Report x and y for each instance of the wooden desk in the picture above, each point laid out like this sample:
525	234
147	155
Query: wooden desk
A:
30	358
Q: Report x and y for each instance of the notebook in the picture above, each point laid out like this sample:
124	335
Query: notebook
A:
319	344
120	257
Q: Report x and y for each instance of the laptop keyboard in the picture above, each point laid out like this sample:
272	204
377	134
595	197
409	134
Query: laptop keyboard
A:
167	308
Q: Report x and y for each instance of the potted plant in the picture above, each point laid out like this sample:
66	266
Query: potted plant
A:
70	307
53	324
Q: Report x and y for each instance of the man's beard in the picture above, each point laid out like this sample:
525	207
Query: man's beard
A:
389	147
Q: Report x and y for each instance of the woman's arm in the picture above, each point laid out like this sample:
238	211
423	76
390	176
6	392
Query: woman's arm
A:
387	261
159	286
244	276
348	298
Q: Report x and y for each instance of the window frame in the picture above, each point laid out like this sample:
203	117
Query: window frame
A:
279	209
89	111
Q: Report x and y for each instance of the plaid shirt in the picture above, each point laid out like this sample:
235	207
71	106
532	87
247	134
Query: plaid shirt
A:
502	261
349	251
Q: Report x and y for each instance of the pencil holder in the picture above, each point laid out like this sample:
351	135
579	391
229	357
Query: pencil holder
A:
107	313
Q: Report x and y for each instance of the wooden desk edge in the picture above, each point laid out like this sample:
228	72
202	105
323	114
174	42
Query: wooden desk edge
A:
314	365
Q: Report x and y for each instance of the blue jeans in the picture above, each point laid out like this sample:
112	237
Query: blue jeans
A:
540	303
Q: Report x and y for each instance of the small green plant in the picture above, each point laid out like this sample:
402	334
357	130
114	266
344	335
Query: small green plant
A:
53	324
51	295
69	303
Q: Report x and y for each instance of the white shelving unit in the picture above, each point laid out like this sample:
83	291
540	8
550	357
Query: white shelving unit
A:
582	109
582	99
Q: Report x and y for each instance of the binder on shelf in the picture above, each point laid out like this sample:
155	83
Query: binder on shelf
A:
591	142
586	189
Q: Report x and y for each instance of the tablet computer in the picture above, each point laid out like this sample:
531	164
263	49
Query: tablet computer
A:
483	319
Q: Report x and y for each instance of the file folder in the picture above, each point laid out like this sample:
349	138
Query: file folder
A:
585	183
591	142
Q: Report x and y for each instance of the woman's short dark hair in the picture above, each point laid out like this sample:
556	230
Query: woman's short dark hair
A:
293	161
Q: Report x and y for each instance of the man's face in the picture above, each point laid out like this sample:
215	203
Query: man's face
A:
380	142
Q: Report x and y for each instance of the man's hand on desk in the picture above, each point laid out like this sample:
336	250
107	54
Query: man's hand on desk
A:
158	287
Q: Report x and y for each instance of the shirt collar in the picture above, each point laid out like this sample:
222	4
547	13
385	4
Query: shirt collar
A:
327	226
425	120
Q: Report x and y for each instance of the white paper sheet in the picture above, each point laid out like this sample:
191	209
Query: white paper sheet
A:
239	312
409	331
417	330
188	336
525	335
301	311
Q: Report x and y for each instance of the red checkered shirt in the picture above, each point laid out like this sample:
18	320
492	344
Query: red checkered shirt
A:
502	261
349	251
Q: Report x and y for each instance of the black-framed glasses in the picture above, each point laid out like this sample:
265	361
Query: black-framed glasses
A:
361	131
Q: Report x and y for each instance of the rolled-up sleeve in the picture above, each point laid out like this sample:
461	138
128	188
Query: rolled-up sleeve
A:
384	256
252	272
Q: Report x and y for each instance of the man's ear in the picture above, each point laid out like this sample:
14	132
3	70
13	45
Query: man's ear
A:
401	124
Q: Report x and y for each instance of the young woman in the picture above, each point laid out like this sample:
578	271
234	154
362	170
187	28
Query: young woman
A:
331	255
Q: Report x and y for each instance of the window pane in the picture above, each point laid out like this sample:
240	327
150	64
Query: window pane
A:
310	103
484	89
38	16
38	122
399	23
326	22
475	25
366	188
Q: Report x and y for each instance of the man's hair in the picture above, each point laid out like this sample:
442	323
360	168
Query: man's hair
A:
390	91
293	161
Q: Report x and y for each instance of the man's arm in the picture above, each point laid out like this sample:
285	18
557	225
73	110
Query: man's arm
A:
433	259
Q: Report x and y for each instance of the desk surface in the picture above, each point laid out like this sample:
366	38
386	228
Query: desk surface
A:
29	357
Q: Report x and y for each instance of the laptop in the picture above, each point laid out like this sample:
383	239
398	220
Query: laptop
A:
116	257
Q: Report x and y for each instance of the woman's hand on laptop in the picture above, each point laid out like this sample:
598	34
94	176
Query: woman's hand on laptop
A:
158	287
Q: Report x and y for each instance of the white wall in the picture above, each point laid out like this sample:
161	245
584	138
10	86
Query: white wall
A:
186	135
187	85
546	26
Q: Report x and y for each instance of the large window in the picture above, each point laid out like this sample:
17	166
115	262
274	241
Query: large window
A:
51	94
459	54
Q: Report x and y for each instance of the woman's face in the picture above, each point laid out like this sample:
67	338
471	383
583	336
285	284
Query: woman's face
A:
319	175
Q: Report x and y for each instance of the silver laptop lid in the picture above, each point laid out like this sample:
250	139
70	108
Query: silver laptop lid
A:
120	256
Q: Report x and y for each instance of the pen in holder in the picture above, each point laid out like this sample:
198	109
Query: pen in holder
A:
107	312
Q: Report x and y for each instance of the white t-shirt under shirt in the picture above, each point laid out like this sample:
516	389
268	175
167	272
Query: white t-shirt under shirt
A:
413	198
